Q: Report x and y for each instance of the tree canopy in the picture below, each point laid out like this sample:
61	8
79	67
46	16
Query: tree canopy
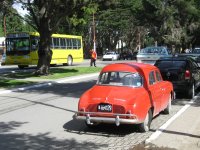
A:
134	23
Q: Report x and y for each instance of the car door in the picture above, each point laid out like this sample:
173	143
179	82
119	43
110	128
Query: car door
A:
163	91
155	92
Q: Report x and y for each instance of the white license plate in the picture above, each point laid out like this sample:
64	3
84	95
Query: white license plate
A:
104	108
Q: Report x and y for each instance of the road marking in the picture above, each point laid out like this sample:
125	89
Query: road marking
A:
156	134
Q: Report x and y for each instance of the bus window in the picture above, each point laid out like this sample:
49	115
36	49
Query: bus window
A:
75	44
69	44
62	43
34	43
52	46
56	43
79	43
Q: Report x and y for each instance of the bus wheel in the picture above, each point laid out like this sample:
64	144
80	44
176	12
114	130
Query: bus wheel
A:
69	61
22	66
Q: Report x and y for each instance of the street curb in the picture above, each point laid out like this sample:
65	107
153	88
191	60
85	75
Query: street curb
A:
49	83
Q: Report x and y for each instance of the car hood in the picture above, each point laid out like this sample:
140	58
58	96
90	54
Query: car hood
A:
113	94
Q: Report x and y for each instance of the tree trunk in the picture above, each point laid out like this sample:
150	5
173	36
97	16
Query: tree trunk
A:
44	52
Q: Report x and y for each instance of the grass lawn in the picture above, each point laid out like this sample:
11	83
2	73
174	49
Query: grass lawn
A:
8	80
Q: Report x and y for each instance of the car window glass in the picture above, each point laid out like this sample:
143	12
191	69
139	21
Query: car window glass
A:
151	78
170	63
120	79
158	76
154	50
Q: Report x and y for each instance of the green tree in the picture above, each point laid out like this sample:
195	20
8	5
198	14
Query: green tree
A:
45	17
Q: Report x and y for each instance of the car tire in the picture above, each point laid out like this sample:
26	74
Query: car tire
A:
145	126
168	108
191	92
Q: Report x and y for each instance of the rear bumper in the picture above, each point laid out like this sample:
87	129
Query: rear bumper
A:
181	86
91	117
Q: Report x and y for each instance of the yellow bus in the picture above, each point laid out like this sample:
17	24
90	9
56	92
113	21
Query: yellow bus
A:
22	49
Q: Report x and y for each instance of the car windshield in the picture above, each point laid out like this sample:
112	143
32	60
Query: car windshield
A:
110	53
120	79
167	64
154	50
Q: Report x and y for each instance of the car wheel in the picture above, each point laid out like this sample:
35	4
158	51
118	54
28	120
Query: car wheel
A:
191	92
145	126
168	108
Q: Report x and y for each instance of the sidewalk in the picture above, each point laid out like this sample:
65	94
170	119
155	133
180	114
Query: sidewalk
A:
183	133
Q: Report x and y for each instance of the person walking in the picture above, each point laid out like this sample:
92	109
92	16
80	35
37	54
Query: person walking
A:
93	57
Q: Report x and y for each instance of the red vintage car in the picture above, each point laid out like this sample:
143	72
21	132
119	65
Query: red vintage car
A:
126	93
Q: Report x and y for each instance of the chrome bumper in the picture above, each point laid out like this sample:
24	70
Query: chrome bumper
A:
115	119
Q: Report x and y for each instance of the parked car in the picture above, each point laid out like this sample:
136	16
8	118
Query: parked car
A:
194	53
151	54
126	93
183	72
3	59
128	55
111	56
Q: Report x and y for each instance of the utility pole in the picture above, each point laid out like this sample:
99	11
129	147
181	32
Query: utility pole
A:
94	36
4	24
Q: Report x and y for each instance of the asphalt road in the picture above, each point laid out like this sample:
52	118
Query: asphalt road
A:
41	118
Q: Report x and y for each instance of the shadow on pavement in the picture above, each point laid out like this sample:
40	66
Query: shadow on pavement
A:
108	130
43	141
63	89
179	133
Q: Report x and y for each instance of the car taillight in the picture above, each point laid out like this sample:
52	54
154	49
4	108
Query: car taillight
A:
187	74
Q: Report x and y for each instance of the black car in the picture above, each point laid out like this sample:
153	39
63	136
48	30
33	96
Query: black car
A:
183	72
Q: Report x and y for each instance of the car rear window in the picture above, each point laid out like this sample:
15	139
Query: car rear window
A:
120	79
154	50
167	64
110	53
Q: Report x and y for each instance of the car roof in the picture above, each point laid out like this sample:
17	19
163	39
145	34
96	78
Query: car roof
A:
129	67
174	58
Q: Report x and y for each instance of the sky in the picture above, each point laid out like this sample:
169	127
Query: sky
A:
18	7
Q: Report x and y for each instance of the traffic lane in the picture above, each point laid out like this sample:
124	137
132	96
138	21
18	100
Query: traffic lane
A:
48	119
20	99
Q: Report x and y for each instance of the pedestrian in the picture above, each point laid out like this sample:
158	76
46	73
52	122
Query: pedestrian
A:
93	57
